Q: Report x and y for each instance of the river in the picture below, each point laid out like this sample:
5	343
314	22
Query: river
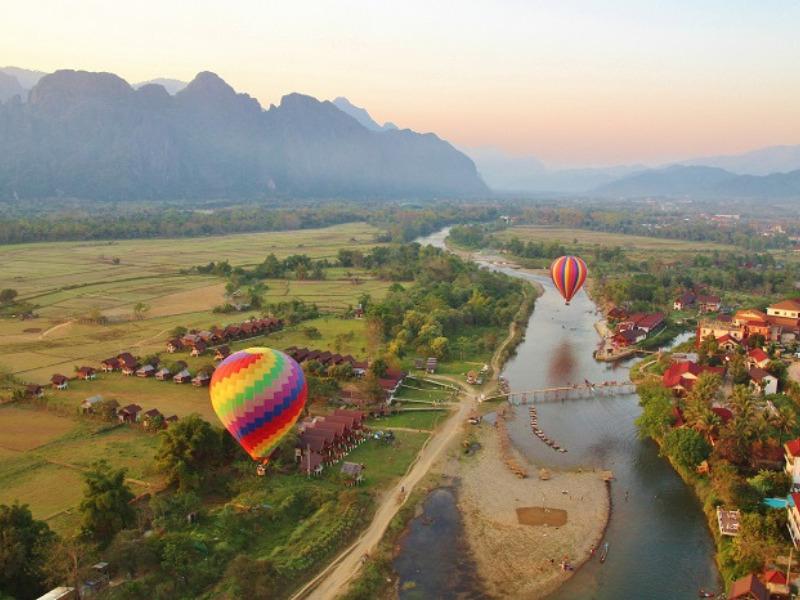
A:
660	546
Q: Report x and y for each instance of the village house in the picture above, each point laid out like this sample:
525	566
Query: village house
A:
628	337
793	518
617	314
728	522
776	583
791	454
763	382
727	344
129	413
163	374
59	382
320	441
86	373
647	322
33	390
431	365
170	420
709	304
684	301
222	352
748	587
681	376
789	309
758	358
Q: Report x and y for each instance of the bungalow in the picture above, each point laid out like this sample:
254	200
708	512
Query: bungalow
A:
748	587
221	353
617	314
686	300
163	374
763	382
431	365
33	390
793	518
353	472
201	379
651	322
151	417
174	345
199	348
231	332
182	377
311	464
358	416
171	419
110	364
359	368
129	414
86	373
59	382
88	405
728	521
340	430
709	304
146	371
323	357
791	454
320	441
127	361
758	358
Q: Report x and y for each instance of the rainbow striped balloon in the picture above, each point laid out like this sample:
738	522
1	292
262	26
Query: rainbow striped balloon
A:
568	274
258	394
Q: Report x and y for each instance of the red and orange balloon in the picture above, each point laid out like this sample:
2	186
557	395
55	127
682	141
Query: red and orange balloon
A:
568	274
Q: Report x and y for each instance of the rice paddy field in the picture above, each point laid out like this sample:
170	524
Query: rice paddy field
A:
71	281
43	455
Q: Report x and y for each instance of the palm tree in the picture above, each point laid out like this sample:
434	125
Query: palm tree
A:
784	420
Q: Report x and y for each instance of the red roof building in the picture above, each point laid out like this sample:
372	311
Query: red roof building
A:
748	587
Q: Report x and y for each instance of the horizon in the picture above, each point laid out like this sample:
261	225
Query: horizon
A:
667	83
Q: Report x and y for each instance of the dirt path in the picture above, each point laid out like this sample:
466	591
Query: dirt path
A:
47	332
335	579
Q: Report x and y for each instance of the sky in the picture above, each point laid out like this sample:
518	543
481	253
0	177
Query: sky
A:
573	82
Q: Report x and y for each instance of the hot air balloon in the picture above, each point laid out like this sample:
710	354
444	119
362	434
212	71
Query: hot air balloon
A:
568	274
258	394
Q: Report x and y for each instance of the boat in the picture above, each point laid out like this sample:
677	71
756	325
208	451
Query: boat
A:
604	553
704	594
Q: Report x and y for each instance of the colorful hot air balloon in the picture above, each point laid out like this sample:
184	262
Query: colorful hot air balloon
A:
258	394
568	274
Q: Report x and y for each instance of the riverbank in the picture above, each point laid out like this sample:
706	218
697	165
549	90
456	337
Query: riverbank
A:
516	560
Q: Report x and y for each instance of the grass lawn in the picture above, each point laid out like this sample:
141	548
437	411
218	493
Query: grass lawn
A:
425	394
22	429
422	419
386	462
68	281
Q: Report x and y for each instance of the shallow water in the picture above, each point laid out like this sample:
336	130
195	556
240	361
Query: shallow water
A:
434	560
659	544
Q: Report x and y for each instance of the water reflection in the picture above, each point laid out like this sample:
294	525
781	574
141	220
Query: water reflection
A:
563	366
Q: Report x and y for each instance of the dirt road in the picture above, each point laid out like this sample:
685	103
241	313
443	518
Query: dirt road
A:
334	580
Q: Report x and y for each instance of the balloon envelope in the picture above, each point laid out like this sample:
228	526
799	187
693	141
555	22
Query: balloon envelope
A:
258	394
568	274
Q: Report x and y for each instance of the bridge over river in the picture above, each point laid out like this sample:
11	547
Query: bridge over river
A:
570	392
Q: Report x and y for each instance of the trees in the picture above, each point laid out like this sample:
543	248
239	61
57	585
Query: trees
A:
105	507
24	547
7	296
738	370
188	449
686	446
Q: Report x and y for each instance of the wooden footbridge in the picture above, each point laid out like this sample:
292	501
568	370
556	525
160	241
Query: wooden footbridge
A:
569	392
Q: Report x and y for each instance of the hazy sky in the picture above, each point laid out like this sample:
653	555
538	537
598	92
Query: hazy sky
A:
571	81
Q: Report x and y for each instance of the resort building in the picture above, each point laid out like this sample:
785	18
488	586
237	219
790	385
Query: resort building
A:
728	521
791	454
793	518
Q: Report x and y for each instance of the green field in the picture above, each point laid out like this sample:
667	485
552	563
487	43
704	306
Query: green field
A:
386	462
70	281
42	456
421	419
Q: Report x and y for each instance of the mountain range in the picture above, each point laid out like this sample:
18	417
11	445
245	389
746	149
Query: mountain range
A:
93	135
